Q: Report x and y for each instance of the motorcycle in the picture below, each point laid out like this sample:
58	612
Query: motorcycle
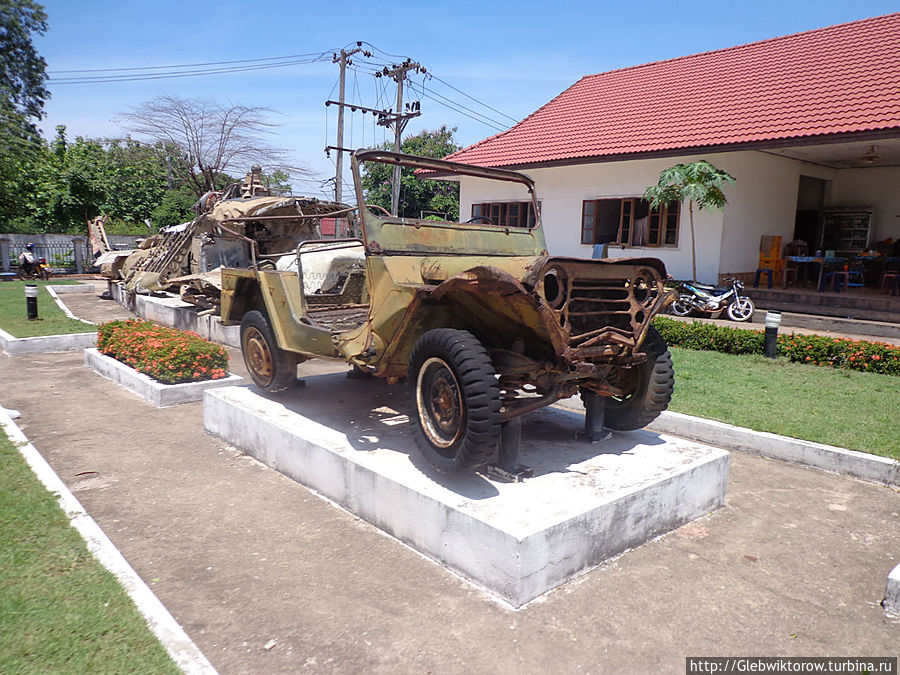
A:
39	270
697	297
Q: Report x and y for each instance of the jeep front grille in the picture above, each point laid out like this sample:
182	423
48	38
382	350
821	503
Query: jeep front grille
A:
606	309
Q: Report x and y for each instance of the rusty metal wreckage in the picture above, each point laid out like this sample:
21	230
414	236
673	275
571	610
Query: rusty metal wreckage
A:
484	325
482	322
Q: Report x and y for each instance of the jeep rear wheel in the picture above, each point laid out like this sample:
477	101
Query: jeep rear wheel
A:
649	388
271	368
455	400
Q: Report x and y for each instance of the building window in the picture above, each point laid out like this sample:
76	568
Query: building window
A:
506	214
629	222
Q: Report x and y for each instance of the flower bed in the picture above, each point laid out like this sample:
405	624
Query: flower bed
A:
167	355
818	350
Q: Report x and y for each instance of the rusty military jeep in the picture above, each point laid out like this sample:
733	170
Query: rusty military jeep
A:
484	325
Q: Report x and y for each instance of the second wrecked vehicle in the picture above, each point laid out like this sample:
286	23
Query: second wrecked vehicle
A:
484	325
243	225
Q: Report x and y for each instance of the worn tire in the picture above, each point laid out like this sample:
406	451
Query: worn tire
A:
652	384
271	368
455	400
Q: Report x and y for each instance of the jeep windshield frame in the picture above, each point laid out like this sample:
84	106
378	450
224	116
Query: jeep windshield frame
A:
391	234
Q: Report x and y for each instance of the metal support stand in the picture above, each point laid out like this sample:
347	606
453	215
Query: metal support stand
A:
507	467
595	415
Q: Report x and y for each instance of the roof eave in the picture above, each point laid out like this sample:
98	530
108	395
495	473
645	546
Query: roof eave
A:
793	142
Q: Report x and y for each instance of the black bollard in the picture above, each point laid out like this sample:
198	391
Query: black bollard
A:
770	346
31	292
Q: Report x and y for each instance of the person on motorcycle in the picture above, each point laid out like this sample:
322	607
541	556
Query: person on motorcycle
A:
27	259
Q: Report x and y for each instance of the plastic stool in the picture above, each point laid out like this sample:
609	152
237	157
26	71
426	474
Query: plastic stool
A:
888	281
759	272
834	279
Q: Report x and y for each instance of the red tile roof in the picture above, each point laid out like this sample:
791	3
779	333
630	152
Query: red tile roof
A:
835	80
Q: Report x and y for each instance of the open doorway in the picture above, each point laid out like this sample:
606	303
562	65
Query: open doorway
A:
810	205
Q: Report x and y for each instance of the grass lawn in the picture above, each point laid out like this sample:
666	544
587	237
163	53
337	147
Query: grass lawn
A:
51	319
849	409
60	610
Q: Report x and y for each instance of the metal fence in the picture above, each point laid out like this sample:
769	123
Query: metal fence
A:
60	257
66	257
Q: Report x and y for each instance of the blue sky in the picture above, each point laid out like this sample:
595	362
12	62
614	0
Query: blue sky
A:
511	56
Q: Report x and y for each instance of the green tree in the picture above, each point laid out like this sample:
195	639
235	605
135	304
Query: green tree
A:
66	183
417	196
174	207
22	96
699	182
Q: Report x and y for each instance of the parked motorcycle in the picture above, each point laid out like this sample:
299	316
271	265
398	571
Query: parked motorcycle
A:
697	297
39	270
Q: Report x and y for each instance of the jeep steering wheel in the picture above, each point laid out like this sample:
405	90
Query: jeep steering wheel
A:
481	219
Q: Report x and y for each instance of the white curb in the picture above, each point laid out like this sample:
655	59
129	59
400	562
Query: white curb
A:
891	601
818	455
46	343
173	637
159	394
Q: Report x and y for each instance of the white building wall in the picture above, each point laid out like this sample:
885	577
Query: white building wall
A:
763	200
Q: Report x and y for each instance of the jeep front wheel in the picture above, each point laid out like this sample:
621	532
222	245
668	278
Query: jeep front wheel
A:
271	368
648	388
455	400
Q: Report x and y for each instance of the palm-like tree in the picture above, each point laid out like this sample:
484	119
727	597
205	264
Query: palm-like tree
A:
699	182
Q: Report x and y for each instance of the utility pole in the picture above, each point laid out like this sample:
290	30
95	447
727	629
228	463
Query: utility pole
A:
386	118
399	120
339	168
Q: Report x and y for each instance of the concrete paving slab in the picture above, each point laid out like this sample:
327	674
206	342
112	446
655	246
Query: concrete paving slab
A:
159	394
794	564
585	504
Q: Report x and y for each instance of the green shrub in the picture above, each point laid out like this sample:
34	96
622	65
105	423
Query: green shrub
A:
165	354
818	350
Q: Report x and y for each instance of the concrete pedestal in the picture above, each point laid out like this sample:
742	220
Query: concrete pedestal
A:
350	441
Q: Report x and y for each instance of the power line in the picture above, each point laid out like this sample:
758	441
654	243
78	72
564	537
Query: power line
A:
189	65
473	98
454	105
459	107
494	125
100	79
375	64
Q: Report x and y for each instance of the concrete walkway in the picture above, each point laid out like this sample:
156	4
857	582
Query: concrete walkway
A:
245	559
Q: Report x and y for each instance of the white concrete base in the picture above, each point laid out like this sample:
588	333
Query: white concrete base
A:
818	455
159	394
169	310
46	343
349	440
860	465
891	602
